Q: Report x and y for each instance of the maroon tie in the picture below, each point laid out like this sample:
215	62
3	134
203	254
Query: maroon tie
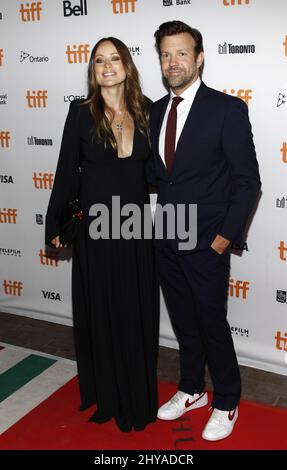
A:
170	133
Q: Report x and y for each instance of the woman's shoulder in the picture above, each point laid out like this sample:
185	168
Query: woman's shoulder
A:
78	103
147	101
79	108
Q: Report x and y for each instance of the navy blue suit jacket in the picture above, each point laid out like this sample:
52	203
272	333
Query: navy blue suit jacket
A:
215	165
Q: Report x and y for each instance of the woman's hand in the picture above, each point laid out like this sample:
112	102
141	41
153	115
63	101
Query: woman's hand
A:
56	242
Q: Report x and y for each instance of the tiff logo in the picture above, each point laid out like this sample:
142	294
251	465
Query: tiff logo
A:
283	150
238	287
1	57
228	3
285	46
123	6
281	341
281	203
77	10
4	138
30	12
282	248
8	216
244	95
44	181
12	288
49	258
281	296
79	53
37	99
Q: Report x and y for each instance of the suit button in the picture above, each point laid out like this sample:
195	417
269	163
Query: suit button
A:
171	182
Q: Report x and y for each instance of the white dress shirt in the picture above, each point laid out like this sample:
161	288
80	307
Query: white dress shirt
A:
183	109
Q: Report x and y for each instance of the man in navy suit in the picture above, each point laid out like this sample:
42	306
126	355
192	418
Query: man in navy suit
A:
203	154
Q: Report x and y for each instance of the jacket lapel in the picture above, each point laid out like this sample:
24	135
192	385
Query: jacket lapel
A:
185	134
157	133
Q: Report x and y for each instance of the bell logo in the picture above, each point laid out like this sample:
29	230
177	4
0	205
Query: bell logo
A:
123	6
281	341
43	181
76	10
284	152
37	99
285	45
1	57
8	216
79	54
235	288
282	248
4	138
49	258
12	288
229	3
30	12
244	95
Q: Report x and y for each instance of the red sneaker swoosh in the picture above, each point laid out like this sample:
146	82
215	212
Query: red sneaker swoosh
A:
231	415
188	403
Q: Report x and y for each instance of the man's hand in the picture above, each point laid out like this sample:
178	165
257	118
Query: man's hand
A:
220	244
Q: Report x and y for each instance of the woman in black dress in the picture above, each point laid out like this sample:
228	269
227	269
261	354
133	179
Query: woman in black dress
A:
114	288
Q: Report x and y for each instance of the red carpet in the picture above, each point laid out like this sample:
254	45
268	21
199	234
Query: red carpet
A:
56	424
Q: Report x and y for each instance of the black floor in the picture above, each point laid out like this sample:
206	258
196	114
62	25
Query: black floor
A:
51	338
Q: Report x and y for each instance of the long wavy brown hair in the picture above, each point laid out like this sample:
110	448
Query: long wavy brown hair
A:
136	103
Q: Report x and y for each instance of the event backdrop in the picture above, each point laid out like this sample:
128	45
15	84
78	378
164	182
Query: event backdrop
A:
44	52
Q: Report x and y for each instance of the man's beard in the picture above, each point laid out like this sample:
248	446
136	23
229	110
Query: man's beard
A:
180	82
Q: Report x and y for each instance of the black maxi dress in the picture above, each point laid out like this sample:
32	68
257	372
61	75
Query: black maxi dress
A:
115	293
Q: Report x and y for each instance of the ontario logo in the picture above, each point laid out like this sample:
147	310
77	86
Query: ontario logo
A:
282	99
32	58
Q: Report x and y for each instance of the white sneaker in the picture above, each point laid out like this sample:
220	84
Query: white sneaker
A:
220	424
180	403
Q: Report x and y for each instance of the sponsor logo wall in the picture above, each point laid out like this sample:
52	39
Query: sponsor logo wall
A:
44	53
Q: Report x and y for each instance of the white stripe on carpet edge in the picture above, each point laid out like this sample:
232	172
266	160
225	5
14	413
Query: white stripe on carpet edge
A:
34	392
10	357
34	351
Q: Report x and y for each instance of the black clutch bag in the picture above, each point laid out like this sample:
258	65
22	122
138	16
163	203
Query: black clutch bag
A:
70	219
